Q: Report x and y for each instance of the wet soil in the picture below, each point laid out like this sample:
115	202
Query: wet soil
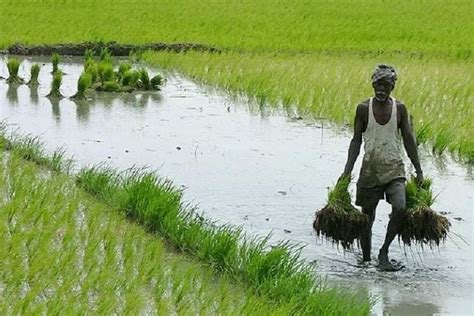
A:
257	168
115	49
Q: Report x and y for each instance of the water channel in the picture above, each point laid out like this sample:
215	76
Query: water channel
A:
254	167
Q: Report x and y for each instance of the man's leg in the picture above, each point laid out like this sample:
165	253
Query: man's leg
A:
366	237
396	194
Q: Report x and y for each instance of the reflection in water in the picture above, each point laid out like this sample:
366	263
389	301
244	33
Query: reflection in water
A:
55	108
405	308
83	109
34	94
12	93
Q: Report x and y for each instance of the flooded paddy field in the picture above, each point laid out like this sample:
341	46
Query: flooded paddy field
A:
244	165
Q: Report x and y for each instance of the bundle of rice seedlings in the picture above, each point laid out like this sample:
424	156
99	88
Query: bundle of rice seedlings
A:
110	86
88	54
144	79
13	66
55	61
105	72
422	224
57	79
339	220
91	68
35	69
130	78
84	82
156	82
105	56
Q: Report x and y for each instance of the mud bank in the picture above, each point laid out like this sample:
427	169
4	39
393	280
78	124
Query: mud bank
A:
115	49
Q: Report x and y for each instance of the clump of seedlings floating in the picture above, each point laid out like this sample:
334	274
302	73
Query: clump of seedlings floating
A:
422	224
339	220
56	85
13	66
105	78
35	69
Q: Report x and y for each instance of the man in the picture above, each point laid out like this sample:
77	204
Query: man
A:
380	121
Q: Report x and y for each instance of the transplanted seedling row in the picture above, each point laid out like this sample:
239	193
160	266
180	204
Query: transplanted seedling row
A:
65	253
102	75
99	75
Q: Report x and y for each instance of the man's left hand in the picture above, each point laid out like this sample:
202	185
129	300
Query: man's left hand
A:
419	179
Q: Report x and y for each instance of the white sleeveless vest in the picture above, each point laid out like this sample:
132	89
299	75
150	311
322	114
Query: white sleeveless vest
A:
383	160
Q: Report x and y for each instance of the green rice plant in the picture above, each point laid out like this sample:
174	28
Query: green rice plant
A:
422	224
55	59
13	65
339	220
91	67
123	68
130	78
144	82
84	83
56	85
156	82
105	72
35	70
157	206
88	55
105	56
109	86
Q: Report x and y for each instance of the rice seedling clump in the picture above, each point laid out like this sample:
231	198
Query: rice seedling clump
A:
35	69
422	224
55	61
13	66
339	220
57	80
85	81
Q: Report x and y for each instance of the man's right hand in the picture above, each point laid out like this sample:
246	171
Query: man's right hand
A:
343	175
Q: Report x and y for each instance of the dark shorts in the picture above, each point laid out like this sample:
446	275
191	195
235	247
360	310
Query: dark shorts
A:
394	193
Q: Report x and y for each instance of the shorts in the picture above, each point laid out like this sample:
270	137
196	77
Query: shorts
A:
394	193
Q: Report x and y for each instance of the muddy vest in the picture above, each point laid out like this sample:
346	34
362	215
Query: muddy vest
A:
383	160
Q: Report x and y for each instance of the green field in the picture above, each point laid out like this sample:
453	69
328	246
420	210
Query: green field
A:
78	220
315	56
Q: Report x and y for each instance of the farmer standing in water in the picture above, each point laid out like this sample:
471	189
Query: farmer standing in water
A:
380	121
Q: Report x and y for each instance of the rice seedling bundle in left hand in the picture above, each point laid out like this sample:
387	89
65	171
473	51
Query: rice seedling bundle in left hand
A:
422	224
339	220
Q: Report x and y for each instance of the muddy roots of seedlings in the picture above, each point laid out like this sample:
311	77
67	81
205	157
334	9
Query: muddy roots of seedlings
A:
339	220
422	224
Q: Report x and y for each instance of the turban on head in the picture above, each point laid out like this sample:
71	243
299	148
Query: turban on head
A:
384	72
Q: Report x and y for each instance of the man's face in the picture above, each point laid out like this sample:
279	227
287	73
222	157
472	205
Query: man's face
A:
382	90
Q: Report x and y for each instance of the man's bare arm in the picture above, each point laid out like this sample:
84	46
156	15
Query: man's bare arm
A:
354	147
409	141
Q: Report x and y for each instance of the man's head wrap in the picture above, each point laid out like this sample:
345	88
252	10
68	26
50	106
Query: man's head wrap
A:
386	73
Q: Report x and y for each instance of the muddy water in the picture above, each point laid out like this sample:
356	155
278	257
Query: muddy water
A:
267	172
